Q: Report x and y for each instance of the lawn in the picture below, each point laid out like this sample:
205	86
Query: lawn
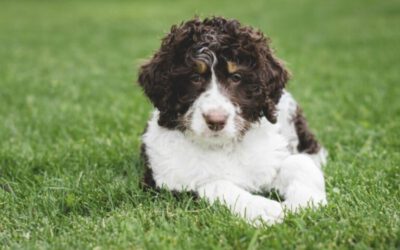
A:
71	116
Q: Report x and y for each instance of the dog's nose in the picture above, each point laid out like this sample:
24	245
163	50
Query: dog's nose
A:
216	119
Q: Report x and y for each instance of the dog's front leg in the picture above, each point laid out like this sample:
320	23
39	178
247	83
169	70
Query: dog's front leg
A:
255	209
301	182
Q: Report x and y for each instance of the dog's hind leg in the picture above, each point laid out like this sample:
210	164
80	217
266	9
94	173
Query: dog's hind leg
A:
301	182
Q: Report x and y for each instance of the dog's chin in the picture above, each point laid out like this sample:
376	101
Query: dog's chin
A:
212	139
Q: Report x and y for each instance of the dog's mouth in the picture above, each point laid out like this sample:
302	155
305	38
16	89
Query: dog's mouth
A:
211	139
214	134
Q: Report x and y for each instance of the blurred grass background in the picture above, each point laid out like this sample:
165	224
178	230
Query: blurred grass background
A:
71	116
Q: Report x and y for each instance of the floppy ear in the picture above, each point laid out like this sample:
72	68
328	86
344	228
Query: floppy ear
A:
154	76
153	79
279	76
276	78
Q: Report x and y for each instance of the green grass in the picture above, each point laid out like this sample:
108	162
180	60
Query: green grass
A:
71	117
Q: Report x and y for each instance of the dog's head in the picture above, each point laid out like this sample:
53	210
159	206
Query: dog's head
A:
213	78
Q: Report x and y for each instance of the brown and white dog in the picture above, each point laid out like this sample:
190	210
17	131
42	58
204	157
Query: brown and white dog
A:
223	125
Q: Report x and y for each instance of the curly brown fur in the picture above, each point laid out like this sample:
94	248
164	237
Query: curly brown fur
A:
167	76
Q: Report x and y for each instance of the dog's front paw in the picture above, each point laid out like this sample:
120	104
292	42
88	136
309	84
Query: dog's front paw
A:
259	211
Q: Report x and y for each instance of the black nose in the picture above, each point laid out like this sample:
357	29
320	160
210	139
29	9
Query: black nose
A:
215	119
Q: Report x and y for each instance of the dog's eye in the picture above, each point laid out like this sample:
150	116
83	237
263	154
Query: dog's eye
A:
236	78
196	78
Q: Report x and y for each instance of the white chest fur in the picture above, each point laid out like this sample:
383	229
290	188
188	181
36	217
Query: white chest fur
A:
179	163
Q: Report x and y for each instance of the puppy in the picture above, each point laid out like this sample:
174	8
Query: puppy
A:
223	125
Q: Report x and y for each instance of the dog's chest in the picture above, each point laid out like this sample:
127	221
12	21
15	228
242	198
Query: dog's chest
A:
178	163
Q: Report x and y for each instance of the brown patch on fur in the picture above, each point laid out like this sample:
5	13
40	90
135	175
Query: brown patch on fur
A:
201	67
231	67
307	141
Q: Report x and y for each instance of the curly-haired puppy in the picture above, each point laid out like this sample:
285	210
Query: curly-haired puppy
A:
224	127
